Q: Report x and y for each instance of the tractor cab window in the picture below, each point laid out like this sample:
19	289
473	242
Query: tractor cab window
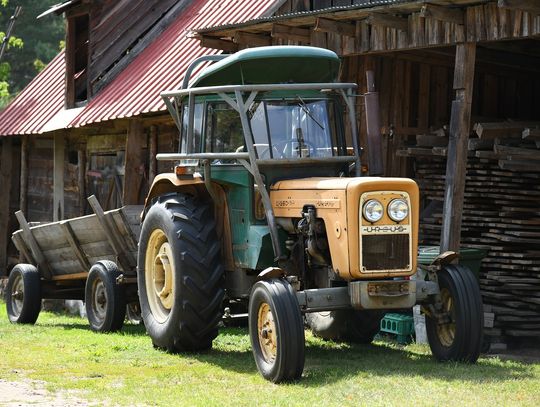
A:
223	129
195	145
294	129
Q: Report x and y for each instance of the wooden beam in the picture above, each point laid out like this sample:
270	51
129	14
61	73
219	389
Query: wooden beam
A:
58	176
256	40
23	193
67	277
24	251
81	178
152	152
291	33
75	245
387	20
441	13
217	43
530	6
112	234
135	141
457	147
333	26
37	254
6	169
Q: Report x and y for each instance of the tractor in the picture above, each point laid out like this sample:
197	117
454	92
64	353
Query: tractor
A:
267	211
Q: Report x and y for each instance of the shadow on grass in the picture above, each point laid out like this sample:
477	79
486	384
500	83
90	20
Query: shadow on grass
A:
329	362
127	329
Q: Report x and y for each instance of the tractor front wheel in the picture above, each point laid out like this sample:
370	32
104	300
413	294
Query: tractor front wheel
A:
455	330
276	330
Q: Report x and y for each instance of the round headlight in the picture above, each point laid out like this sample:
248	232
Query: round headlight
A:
398	210
373	210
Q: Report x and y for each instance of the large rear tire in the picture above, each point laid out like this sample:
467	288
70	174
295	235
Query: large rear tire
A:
457	334
180	274
276	330
346	325
104	299
23	294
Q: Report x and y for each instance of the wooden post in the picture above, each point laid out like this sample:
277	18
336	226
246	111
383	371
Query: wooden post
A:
58	182
23	197
81	178
134	160
6	169
457	147
152	151
37	254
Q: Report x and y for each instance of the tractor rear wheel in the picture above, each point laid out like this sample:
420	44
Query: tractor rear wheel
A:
180	274
104	299
455	333
23	294
276	331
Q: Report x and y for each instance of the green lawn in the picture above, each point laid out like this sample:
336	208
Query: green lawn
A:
125	369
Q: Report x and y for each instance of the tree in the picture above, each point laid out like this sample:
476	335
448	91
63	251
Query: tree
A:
42	41
5	68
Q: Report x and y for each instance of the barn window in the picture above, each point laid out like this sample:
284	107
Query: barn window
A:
77	60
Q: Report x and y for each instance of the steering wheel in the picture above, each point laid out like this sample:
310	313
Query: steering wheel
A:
280	148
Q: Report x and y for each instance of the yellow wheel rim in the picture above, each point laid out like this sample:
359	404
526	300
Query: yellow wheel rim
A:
266	329
159	275
447	332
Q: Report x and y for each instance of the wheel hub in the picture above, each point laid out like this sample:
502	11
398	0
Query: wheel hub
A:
17	295
159	275
100	300
266	328
446	331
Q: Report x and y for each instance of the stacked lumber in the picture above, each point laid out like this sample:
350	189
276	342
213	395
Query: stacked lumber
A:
501	215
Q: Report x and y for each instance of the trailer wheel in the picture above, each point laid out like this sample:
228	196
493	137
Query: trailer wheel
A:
276	330
455	333
180	274
105	300
23	294
347	325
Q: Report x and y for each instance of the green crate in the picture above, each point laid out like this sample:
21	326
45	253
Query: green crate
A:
400	325
471	258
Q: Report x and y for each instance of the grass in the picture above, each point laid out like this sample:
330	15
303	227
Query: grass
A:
124	369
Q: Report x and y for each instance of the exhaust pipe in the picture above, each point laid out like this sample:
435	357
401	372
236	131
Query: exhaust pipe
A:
373	125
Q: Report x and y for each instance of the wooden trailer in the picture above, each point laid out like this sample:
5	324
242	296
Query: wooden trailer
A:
91	258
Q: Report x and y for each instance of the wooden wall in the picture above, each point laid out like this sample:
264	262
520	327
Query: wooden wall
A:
416	92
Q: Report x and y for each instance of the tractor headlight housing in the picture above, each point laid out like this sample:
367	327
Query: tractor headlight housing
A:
373	210
398	210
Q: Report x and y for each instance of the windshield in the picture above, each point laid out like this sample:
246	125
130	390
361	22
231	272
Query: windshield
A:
294	129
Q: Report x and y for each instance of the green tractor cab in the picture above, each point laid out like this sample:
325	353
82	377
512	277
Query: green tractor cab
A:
267	212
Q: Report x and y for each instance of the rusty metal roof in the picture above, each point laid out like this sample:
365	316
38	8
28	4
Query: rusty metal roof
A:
163	64
135	91
38	102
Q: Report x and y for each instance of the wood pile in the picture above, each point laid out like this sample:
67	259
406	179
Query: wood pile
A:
501	215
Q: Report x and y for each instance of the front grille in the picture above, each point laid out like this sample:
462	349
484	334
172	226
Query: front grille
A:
385	252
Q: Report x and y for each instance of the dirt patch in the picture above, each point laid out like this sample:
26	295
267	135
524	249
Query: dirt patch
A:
28	392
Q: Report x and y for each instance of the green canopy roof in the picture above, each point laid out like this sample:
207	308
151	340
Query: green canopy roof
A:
277	64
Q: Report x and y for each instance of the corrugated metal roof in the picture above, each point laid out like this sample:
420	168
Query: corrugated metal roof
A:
38	102
359	4
163	64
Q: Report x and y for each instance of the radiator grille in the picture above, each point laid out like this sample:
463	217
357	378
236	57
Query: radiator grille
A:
385	252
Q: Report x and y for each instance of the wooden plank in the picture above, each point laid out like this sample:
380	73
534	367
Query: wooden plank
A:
112	234
530	6
58	176
502	129
23	249
290	33
37	254
441	13
6	168
216	43
387	20
152	152
67	277
75	245
81	178
333	26
457	146
250	39
134	166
